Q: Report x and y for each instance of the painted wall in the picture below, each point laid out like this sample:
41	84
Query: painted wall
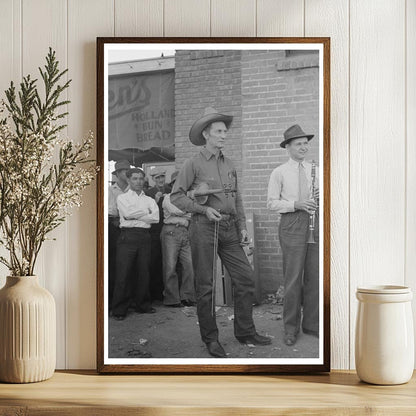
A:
373	128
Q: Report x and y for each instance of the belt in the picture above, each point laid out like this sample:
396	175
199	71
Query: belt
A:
134	229
176	225
114	221
224	217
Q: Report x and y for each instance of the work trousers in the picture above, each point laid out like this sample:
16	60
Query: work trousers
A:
176	247
156	264
133	262
235	261
113	234
301	272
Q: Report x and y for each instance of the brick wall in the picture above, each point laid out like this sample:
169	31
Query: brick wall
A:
207	79
278	90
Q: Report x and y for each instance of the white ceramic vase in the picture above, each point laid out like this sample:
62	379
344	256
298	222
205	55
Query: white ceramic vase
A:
384	338
27	331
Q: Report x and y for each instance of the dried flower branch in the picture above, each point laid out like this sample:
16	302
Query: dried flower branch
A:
41	176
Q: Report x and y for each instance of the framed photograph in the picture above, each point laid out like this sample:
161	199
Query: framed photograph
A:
213	212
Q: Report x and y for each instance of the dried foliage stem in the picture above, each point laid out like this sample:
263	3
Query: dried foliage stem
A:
41	175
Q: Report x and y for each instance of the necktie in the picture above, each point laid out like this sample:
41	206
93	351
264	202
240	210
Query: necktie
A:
304	192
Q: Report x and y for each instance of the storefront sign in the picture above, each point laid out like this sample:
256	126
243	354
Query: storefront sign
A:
141	111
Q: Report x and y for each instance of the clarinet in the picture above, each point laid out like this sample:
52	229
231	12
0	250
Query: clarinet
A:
311	239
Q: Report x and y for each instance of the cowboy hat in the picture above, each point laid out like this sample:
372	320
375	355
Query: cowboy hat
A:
210	116
121	164
294	132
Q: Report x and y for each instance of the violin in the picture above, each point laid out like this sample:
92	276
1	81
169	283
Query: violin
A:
201	193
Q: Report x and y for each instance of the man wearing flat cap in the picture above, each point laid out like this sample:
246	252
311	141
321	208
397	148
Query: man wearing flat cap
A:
217	223
290	194
119	187
158	193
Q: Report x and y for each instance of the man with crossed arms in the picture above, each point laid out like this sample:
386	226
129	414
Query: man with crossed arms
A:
137	212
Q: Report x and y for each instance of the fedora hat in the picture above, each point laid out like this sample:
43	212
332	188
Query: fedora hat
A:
121	164
210	116
294	132
157	171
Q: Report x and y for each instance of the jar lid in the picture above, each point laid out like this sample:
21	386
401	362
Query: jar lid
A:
384	289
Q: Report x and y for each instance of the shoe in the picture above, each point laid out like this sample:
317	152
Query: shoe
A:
147	310
290	339
175	305
119	317
215	349
310	332
255	339
188	302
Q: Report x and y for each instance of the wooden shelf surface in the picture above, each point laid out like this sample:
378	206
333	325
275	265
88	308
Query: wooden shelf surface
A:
86	393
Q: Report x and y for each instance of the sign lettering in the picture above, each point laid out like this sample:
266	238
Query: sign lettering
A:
141	111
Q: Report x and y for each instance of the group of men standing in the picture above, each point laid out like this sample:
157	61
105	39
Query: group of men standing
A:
196	230
148	244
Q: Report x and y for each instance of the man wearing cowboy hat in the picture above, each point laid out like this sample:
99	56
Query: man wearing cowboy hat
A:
157	192
119	187
289	194
211	167
175	248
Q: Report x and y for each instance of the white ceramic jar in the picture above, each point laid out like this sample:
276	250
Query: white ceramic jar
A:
384	337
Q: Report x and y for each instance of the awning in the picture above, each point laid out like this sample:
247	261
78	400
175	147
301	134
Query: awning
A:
137	157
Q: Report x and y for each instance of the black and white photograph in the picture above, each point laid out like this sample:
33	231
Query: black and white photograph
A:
213	205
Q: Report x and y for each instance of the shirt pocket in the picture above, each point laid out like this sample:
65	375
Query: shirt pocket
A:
204	175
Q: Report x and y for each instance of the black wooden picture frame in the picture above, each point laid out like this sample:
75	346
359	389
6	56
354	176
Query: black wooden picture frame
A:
295	60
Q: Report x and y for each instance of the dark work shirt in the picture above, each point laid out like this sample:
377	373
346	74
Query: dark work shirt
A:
217	172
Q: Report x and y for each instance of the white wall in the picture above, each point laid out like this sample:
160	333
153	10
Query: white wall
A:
373	128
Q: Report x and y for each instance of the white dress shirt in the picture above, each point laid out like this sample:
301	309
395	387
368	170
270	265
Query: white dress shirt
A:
283	188
113	192
137	210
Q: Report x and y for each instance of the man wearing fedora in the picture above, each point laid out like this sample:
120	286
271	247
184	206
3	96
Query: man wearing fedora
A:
289	194
218	224
119	187
157	192
176	250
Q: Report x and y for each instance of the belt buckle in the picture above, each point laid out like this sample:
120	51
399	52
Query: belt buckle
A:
226	217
